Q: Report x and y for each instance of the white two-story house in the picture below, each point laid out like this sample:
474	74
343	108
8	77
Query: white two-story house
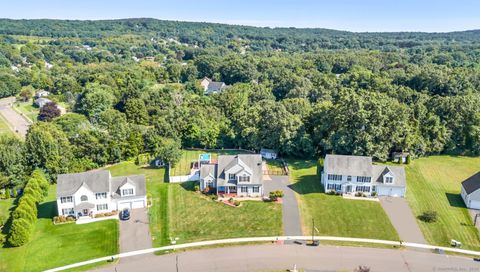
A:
92	192
351	174
237	175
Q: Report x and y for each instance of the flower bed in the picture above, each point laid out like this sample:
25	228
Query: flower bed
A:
62	219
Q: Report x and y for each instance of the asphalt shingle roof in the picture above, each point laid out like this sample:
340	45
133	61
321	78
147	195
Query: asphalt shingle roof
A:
348	165
252	161
96	181
472	183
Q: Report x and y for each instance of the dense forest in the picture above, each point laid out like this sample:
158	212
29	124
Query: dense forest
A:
304	92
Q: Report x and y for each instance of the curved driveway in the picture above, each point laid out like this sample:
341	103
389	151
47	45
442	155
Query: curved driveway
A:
282	257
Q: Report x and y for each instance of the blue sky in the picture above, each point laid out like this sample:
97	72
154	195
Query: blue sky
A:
360	15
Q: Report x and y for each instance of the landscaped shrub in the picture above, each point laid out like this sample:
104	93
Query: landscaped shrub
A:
428	216
359	194
196	188
38	176
35	193
20	232
26	212
408	160
3	220
331	192
374	193
236	203
274	195
214	197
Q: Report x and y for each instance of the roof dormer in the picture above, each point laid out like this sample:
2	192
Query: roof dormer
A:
388	177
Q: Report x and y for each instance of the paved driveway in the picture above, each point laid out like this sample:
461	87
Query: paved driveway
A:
18	122
135	233
402	219
280	258
290	213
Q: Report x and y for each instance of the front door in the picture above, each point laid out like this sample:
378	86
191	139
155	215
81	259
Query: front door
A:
85	212
349	188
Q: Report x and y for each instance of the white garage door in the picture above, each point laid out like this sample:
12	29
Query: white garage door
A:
124	205
138	204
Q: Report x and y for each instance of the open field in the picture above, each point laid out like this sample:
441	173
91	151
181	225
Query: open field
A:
188	156
334	215
433	183
53	246
27	109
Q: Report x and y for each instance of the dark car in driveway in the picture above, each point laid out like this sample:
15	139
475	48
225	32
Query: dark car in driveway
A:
125	214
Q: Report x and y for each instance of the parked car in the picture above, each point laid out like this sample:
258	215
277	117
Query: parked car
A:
477	259
125	214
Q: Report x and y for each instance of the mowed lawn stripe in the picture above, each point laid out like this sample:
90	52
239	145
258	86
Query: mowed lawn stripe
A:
434	184
194	217
335	216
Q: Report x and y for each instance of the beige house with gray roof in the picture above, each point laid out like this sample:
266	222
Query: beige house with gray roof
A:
351	174
238	175
92	192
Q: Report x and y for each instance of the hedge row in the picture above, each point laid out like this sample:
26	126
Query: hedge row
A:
25	214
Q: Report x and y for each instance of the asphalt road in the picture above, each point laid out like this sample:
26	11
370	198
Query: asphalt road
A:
282	257
18	122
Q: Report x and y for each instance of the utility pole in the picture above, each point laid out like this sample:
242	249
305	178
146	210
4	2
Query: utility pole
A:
313	230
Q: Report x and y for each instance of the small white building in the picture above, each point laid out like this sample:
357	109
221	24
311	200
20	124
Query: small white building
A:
42	93
40	102
268	154
351	174
92	192
471	191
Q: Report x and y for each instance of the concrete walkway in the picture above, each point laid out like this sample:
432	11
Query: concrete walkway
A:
270	239
17	122
292	225
402	219
281	258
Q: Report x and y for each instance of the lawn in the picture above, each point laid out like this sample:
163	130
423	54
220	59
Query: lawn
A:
334	215
53	246
27	109
4	128
433	183
194	217
188	156
177	211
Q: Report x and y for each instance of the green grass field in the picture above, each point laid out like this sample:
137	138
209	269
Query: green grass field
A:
334	215
27	109
188	156
53	246
4	128
177	211
434	183
194	217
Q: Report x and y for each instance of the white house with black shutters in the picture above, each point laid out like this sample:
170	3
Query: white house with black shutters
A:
351	174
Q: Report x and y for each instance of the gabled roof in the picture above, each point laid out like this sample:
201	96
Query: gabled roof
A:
97	181
472	183
208	170
348	165
137	181
252	161
239	164
398	173
215	86
266	150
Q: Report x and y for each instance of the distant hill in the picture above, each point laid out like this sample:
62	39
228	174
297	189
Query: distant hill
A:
212	34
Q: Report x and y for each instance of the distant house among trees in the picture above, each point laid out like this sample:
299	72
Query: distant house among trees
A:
40	102
268	154
42	93
211	87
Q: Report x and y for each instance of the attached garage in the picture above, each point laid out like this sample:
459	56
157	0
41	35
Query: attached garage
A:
124	205
138	204
391	191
